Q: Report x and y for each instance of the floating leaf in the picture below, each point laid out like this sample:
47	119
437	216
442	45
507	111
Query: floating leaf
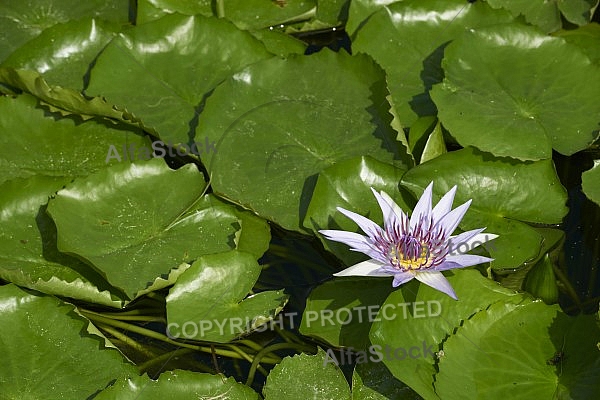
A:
373	381
42	145
28	253
208	301
306	377
121	222
291	126
177	385
341	311
51	340
520	343
546	14
174	63
586	38
422	332
408	38
590	182
63	53
506	92
21	20
503	196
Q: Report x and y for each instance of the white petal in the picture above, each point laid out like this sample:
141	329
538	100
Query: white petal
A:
389	216
349	238
462	246
444	206
400	214
423	207
450	221
463	260
402	277
365	268
369	227
437	281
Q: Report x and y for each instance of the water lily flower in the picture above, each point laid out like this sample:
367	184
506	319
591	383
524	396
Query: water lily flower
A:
420	247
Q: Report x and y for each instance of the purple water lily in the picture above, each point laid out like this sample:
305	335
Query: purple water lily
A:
420	247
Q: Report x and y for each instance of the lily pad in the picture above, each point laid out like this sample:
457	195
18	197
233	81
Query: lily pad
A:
177	385
408	38
586	37
590	182
373	381
340	312
28	253
503	198
208	300
305	376
546	14
520	344
291	126
174	63
21	21
63	53
122	222
348	184
505	92
408	345
42	145
360	10
51	339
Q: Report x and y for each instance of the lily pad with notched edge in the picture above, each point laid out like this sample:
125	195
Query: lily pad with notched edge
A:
52	348
279	122
208	302
506	92
177	385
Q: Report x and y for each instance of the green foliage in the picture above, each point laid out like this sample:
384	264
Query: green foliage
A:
133	266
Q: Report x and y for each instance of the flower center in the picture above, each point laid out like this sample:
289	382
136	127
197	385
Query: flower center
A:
409	254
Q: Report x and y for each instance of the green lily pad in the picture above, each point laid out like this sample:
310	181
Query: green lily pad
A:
305	376
519	343
177	385
208	301
590	182
586	37
63	101
173	63
408	38
150	10
489	100
408	344
546	14
373	381
340	311
21	21
291	126
503	198
42	145
347	184
257	14
124	223
52	348
360	10
63	52
28	253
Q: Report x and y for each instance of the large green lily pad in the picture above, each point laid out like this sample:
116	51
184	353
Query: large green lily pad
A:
124	223
506	92
208	302
172	63
276	126
45	348
408	38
